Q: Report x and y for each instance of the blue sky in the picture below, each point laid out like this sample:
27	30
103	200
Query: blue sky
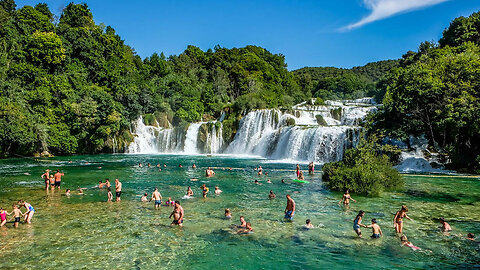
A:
340	33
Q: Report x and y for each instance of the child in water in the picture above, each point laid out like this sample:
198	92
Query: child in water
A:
407	243
376	231
67	192
109	195
169	202
308	224
228	213
144	198
248	229
357	223
16	215
3	217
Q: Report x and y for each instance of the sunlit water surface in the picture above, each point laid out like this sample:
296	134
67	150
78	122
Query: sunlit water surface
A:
87	232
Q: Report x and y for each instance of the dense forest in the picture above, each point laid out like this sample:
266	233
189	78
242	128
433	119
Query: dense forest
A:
68	85
436	92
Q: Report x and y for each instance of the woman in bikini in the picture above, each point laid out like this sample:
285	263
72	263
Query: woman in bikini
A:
398	219
346	198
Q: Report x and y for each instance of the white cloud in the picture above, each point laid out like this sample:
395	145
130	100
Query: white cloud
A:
382	9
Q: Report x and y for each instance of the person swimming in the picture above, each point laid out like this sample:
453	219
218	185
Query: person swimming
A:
194	166
346	198
398	219
189	191
407	243
217	190
67	192
376	231
144	197
308	224
243	223
272	195
357	223
268	181
248	229
256	182
471	236
228	213
445	226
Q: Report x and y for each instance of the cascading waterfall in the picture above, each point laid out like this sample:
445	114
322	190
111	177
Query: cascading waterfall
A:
319	133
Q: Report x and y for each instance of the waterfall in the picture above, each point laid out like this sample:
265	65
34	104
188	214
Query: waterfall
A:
319	133
191	139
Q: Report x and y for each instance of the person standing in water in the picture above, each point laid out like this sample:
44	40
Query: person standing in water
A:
346	198
189	191
398	219
445	226
376	231
271	195
297	170
58	178
243	223
177	215
157	197
109	195
3	217
290	209
107	183
260	170
46	177
357	223
118	189
311	168
16	215
30	211
194	166
204	190
300	176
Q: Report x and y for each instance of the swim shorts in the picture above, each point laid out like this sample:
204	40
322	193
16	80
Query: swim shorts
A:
178	221
375	235
158	202
289	215
57	184
17	219
118	194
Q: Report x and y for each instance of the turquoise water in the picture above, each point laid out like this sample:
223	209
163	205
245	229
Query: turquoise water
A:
84	231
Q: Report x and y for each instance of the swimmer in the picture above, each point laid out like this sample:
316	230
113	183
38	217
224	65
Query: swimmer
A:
407	243
46	177
180	165
144	197
376	231
290	209
256	182
346	198
357	223
140	165
308	224
58	178
16	215
209	172
189	191
248	229
398	219
217	190
194	166
118	189
149	165
3	217
100	184
204	190
177	215
268	181
169	202
228	213
164	165
80	191
471	236
445	226
109	195
243	223
52	182
30	211
283	181
157	197
158	165
67	192
272	195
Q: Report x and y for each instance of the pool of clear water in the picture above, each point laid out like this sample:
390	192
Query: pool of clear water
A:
85	231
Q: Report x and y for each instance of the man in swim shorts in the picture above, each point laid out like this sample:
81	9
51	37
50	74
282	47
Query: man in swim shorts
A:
58	178
177	215
118	189
290	209
157	197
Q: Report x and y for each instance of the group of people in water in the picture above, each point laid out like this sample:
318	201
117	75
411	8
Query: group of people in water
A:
54	181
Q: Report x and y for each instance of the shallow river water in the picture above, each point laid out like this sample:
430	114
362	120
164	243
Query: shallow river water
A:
84	231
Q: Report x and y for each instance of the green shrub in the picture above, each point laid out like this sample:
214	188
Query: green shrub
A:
319	102
320	120
290	122
363	170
